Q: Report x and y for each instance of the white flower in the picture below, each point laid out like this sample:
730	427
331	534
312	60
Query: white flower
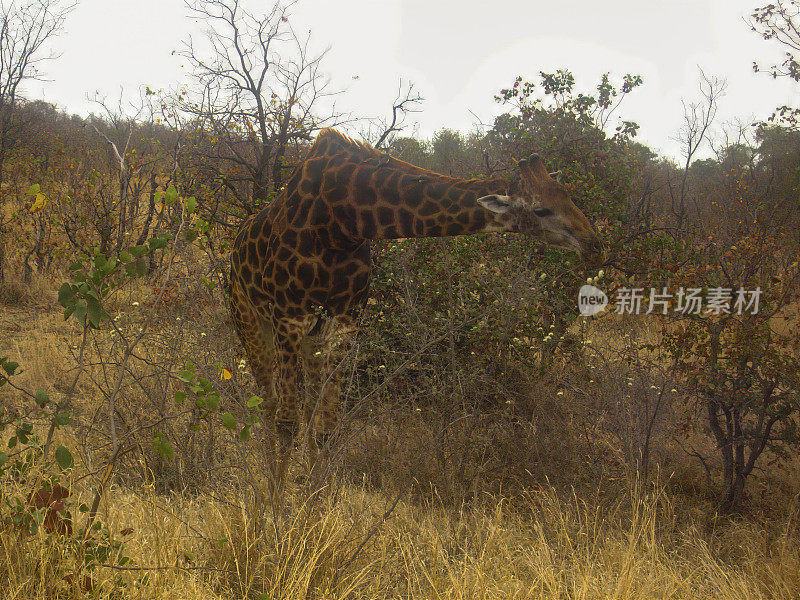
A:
134	304
600	273
560	393
543	276
203	334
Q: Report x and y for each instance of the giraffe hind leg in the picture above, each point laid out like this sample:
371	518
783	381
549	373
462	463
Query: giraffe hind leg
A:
257	337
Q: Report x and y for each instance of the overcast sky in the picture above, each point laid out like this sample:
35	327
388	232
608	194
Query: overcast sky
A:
458	53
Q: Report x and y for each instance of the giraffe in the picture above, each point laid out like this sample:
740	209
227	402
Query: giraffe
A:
300	268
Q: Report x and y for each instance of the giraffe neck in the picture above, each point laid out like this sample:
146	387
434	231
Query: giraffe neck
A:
395	201
370	195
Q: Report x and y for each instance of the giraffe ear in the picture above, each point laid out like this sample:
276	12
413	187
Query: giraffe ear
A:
496	204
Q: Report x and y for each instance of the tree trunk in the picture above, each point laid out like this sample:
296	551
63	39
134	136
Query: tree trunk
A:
4	111
151	209
2	248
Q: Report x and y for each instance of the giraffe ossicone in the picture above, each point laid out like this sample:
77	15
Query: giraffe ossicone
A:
300	268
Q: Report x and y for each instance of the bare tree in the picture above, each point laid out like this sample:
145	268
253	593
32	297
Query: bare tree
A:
406	101
25	28
258	90
779	21
698	116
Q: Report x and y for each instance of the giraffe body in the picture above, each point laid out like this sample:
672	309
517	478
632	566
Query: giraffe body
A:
300	268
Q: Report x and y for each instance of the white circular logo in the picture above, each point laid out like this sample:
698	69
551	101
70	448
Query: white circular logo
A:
591	300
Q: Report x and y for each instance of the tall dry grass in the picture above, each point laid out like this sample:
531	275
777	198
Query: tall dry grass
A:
552	546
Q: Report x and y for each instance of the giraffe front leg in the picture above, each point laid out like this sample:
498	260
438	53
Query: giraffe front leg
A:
288	335
325	357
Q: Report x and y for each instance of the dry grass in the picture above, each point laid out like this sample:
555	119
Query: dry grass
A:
533	507
41	292
553	547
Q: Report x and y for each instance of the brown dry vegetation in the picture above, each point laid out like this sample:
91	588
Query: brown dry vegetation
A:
533	498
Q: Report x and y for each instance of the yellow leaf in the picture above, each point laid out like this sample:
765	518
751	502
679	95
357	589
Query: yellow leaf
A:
38	204
225	374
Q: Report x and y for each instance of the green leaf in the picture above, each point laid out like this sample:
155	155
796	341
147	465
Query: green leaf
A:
228	420
64	458
171	195
9	366
139	251
180	397
80	311
245	433
187	376
94	312
125	256
62	418
42	398
212	400
65	294
68	311
254	401
191	204
3	459
34	190
162	446
83	508
141	267
156	243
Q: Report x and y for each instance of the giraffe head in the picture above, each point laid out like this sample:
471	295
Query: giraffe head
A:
543	208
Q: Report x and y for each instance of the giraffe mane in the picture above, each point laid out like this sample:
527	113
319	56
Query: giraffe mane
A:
367	152
339	139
